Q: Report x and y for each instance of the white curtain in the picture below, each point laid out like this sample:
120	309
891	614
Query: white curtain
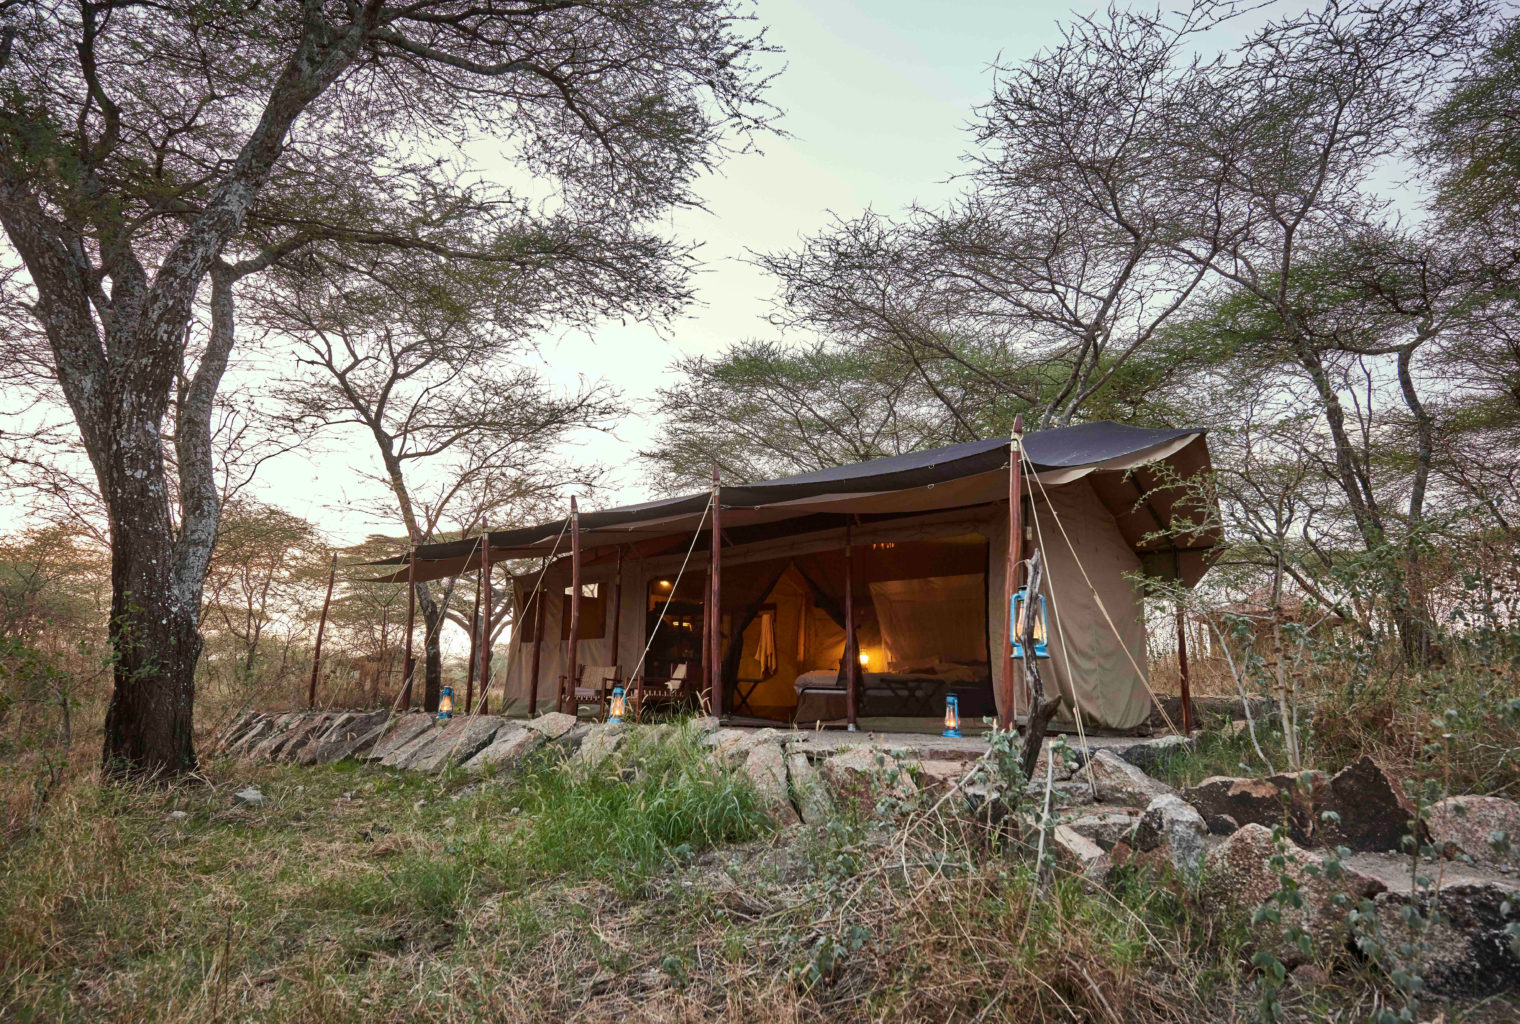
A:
938	618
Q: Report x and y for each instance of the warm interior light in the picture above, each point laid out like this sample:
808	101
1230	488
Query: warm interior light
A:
865	659
616	707
665	584
446	703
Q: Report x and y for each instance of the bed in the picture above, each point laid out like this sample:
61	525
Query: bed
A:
915	693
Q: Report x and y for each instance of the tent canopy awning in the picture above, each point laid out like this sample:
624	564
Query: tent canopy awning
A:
1162	513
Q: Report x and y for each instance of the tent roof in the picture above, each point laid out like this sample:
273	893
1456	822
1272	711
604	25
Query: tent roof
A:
970	473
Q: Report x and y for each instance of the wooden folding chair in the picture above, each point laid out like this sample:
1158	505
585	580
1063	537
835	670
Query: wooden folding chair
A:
593	686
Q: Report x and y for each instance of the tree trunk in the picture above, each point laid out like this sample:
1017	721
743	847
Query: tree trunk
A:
155	620
432	618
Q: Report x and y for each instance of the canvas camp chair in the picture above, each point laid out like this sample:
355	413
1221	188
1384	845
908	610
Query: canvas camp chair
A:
674	689
593	686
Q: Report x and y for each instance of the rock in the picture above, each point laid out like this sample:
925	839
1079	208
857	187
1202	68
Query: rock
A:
401	756
1467	948
1119	782
1239	875
406	729
1484	828
1077	853
1221	824
511	744
1072	793
601	741
286	737
182	815
349	739
459	740
703	724
809	795
856	776
1105	828
732	746
1170	823
765	767
250	796
1152	754
250	736
1375	812
1291	799
551	726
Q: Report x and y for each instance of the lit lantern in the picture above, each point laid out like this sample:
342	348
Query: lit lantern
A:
865	659
1020	603
618	706
446	704
952	716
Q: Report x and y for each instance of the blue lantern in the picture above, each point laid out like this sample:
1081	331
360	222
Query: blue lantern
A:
952	716
618	705
1020	604
446	704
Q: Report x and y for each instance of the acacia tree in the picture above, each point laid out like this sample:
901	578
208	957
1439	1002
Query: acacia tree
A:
1034	290
424	359
137	142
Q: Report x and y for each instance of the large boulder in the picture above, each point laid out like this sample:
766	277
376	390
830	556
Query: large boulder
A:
1291	799
1373	811
765	767
510	745
402	756
1468	947
250	736
809	795
405	730
282	744
458	741
600	743
1239	875
1149	755
551	726
732	746
1171	824
1116	781
1482	828
348	736
858	776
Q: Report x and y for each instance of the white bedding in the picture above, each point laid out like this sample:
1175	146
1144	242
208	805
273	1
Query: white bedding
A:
828	679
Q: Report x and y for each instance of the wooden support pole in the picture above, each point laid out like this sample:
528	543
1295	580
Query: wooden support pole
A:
706	650
717	598
316	654
486	598
851	642
469	666
617	607
567	691
1182	672
538	643
1006	706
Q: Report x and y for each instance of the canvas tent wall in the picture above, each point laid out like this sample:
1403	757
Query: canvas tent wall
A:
1129	501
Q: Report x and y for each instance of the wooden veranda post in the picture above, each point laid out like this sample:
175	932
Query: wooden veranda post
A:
538	642
1015	558
617	607
568	689
469	665
316	654
716	654
411	623
485	620
851	643
1184	684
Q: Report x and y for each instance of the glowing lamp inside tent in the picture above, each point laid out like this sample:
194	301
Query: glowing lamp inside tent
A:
446	704
865	660
952	715
618	706
1021	607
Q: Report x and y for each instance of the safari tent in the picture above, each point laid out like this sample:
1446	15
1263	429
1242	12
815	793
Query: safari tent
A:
908	555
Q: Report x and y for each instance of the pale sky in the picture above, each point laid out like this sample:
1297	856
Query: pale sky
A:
875	97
